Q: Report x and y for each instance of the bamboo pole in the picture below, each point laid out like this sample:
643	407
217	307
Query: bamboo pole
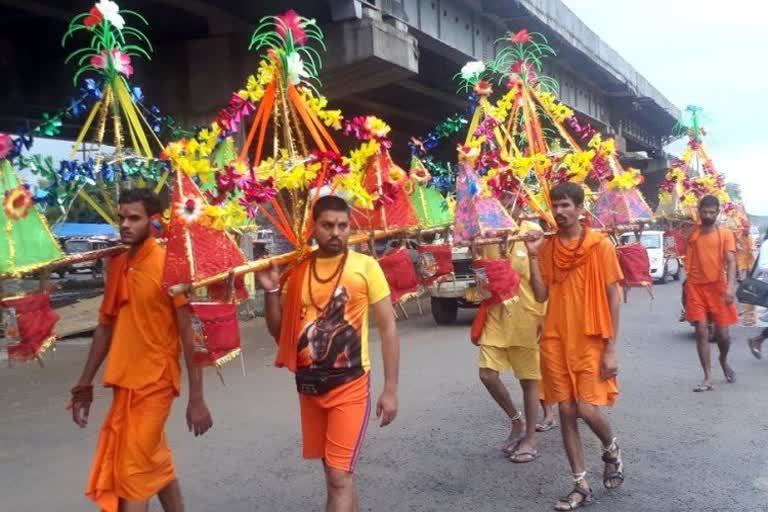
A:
265	263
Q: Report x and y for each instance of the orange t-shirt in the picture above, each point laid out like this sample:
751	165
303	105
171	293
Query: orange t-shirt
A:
706	255
145	339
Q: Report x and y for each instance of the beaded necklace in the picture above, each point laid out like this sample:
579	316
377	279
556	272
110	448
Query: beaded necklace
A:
335	275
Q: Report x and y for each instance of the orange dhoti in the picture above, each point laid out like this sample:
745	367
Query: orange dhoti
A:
133	460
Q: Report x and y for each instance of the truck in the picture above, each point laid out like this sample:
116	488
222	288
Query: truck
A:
77	245
448	296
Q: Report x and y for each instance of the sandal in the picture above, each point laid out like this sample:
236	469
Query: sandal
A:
546	426
703	387
578	497
510	445
755	346
524	457
612	456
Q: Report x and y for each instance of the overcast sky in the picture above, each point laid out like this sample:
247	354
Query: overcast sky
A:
708	53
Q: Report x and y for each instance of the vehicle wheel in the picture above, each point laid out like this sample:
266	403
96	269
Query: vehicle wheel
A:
61	273
98	270
444	311
664	276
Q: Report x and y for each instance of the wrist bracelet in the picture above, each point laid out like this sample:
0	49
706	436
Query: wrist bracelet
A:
273	291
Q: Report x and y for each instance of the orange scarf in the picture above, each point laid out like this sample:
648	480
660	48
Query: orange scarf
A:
116	292
597	313
290	325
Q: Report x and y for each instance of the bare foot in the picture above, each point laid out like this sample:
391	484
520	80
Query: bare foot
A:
730	375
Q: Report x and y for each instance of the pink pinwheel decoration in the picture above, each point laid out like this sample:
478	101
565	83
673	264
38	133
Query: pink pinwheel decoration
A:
231	116
521	37
120	61
6	144
290	22
483	88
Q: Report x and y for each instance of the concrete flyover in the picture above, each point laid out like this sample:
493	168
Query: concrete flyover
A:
393	58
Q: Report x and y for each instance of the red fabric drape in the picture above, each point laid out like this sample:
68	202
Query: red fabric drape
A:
634	262
35	320
401	275
217	332
443	264
503	281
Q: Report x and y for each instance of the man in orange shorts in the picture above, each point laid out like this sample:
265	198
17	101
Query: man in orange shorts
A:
138	333
578	272
710	290
321	327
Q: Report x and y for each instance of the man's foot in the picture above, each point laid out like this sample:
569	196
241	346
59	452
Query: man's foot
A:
515	436
546	425
613	476
730	375
580	496
704	386
526	451
756	346
682	316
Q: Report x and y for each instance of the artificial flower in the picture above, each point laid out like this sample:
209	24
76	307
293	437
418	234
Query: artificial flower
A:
6	145
94	18
377	128
396	174
579	165
189	209
18	201
295	68
111	12
121	62
521	37
472	70
290	23
523	70
483	88
627	180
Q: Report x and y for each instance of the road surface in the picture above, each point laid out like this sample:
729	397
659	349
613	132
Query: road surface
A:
684	451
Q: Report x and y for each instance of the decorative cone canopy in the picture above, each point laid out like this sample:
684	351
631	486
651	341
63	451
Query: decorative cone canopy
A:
476	215
616	206
27	243
392	207
428	203
195	249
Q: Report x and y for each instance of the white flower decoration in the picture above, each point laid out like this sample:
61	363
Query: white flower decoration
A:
296	71
472	70
190	209
111	12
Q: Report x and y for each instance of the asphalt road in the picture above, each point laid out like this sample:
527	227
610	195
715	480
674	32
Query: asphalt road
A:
683	451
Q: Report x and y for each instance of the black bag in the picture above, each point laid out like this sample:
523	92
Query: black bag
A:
753	291
316	382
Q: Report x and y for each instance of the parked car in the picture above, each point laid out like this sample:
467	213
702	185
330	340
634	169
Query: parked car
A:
662	253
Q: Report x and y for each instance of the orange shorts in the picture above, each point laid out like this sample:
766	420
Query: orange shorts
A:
706	300
333	425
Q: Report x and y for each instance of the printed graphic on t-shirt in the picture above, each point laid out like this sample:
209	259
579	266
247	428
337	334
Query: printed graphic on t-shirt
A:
330	341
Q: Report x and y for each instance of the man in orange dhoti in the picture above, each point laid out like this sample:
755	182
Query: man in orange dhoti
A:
710	291
138	333
578	272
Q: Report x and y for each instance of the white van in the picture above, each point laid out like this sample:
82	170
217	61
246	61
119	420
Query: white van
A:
664	261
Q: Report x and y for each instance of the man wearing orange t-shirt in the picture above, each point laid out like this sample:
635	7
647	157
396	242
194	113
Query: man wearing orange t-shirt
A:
138	334
578	272
711	286
321	327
